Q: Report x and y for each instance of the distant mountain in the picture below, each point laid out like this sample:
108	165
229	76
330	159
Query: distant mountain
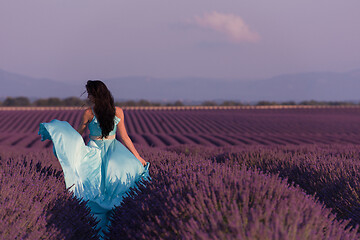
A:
12	84
327	86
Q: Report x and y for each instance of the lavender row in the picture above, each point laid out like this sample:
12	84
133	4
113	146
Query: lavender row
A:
330	172
203	127
34	202
191	197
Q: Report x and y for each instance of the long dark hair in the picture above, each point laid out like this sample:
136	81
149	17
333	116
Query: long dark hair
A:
104	108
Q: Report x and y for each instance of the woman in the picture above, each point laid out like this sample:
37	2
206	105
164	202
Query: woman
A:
104	170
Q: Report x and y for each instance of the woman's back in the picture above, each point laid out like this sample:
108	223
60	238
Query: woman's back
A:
94	126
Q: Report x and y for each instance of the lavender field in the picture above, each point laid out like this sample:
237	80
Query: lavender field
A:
216	174
161	128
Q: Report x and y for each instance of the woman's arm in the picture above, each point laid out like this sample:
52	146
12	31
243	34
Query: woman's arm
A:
85	120
124	136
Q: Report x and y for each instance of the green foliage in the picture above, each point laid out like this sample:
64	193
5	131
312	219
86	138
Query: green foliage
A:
144	102
73	101
48	102
266	103
327	103
178	103
231	103
156	104
209	103
18	101
289	103
70	101
129	103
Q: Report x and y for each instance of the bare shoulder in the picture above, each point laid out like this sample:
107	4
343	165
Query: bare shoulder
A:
88	114
119	112
88	111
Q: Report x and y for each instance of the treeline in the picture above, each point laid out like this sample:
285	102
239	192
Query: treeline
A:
311	102
24	101
75	101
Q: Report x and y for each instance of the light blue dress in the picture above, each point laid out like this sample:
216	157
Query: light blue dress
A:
101	171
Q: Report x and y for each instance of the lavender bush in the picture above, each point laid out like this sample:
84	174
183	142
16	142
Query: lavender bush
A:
34	203
331	172
195	193
193	198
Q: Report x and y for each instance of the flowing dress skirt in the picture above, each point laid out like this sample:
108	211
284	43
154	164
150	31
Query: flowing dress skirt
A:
101	172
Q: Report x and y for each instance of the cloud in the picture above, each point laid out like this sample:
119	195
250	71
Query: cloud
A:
231	25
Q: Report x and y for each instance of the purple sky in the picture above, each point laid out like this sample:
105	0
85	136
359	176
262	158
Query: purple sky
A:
76	40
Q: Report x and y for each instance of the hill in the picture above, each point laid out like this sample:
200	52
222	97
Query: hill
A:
322	86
